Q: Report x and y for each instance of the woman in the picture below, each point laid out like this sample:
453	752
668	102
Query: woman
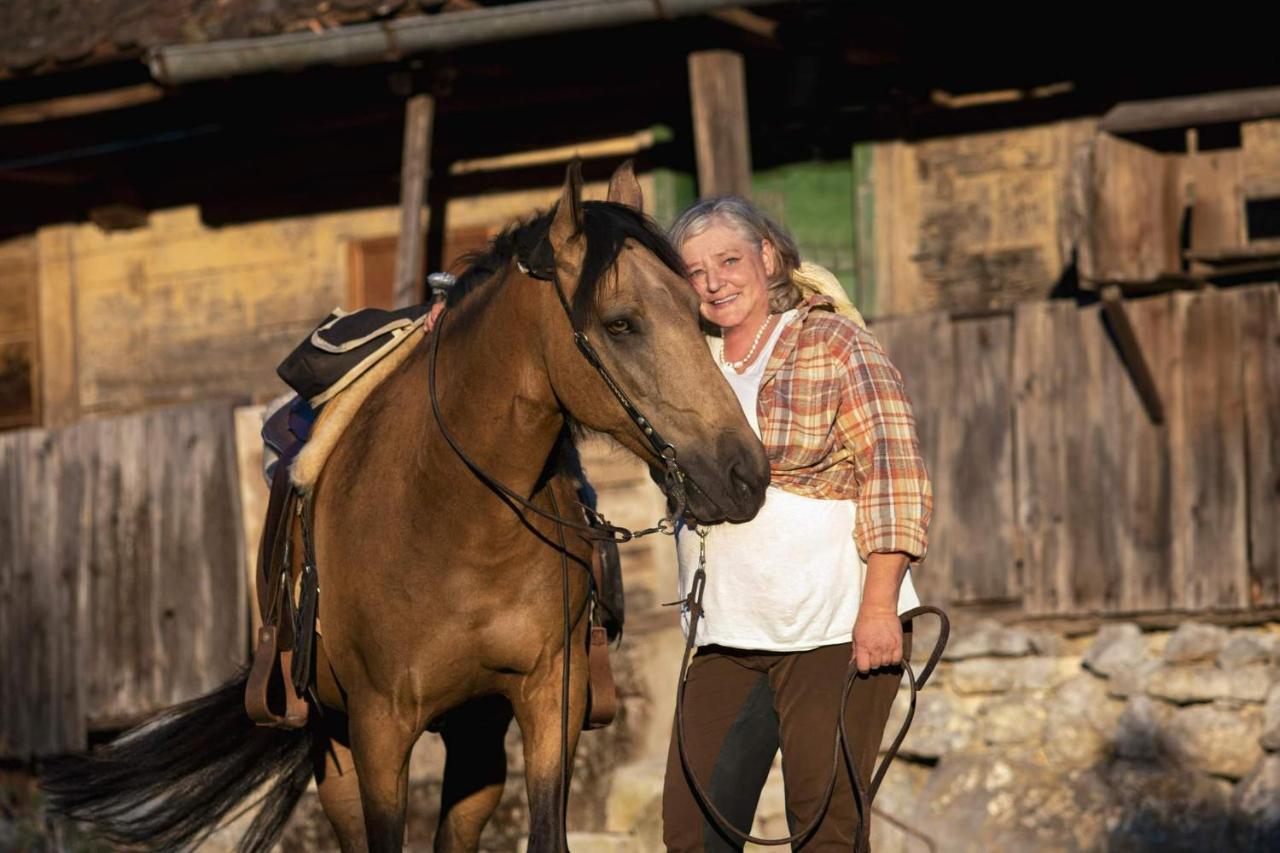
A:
816	581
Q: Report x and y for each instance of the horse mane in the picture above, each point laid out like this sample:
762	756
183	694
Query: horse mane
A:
605	225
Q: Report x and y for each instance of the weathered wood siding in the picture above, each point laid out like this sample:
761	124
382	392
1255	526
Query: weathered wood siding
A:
122	587
178	311
966	223
1054	488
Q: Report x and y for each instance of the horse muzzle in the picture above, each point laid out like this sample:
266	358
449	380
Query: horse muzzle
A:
729	485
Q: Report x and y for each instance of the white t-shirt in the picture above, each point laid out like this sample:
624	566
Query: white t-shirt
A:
791	578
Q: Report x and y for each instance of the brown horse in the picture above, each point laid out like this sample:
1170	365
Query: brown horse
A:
441	601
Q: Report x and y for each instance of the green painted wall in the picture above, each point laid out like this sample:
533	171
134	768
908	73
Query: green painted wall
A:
864	231
673	192
814	200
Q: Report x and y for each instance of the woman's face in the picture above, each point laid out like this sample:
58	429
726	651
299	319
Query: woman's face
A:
731	275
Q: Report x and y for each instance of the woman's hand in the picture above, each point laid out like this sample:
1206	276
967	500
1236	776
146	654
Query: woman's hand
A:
877	638
877	632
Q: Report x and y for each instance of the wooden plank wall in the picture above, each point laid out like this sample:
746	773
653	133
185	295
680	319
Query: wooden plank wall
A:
121	581
1118	514
957	373
19	339
1133	203
1054	488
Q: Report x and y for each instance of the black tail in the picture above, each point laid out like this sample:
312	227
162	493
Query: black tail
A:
177	776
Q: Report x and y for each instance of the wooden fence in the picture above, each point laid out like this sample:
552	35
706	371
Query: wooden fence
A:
1056	492
122	587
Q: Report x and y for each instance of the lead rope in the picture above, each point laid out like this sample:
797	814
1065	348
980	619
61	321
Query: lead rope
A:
863	795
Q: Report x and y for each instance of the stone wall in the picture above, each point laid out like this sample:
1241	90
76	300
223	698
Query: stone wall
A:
1121	739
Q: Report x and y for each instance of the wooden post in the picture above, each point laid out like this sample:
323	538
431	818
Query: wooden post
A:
410	254
721	134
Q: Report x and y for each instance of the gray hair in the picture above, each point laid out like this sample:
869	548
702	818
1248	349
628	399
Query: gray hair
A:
753	226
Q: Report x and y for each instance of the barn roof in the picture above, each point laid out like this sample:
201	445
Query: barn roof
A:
41	36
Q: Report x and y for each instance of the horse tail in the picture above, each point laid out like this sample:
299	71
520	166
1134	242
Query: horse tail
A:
175	778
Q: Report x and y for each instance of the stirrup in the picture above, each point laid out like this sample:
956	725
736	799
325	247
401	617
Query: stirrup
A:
269	697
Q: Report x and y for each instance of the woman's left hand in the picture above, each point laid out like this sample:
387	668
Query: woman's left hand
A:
877	638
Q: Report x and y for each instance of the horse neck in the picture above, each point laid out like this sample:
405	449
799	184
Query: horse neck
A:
495	397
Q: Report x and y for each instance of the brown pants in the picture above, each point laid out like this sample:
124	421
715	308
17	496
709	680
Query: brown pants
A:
740	708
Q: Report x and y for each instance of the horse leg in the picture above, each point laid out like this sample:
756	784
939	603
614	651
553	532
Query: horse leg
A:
537	704
475	771
381	741
337	783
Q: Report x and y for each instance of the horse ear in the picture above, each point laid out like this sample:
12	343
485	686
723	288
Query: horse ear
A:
624	188
566	228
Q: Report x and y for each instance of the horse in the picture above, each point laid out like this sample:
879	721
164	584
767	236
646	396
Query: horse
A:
444	603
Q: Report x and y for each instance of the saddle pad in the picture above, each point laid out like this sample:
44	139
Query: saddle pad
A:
343	347
338	412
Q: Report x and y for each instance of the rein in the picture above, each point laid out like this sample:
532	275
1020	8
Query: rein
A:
863	795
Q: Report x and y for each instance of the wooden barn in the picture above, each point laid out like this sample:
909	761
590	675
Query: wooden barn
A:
1067	237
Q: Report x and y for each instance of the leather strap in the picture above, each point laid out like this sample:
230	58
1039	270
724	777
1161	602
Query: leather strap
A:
602	691
602	696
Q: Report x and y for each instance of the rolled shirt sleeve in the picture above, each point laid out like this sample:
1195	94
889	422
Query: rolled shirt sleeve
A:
876	426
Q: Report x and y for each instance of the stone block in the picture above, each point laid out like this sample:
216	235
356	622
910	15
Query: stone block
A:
1190	683
1116	645
987	804
1195	641
988	638
1010	720
941	726
1132	679
1216	740
988	675
1244	649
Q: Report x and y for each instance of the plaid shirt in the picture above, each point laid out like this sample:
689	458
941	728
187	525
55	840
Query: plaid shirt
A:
836	424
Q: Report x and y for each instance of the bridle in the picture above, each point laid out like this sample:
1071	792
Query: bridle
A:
675	487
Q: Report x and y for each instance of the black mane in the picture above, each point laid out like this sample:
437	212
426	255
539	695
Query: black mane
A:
606	226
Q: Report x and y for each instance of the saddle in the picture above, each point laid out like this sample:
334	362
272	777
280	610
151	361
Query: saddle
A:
287	590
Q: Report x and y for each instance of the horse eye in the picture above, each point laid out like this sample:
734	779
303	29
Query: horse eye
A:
618	326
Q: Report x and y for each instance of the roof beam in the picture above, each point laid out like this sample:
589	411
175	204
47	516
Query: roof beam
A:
385	41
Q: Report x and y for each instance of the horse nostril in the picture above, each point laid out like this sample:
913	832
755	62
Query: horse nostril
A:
742	485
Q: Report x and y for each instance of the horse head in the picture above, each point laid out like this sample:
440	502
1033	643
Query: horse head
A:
628	295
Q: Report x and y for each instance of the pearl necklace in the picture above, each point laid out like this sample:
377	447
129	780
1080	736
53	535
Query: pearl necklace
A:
742	362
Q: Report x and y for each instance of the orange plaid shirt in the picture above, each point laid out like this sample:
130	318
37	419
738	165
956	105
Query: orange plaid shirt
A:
836	424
